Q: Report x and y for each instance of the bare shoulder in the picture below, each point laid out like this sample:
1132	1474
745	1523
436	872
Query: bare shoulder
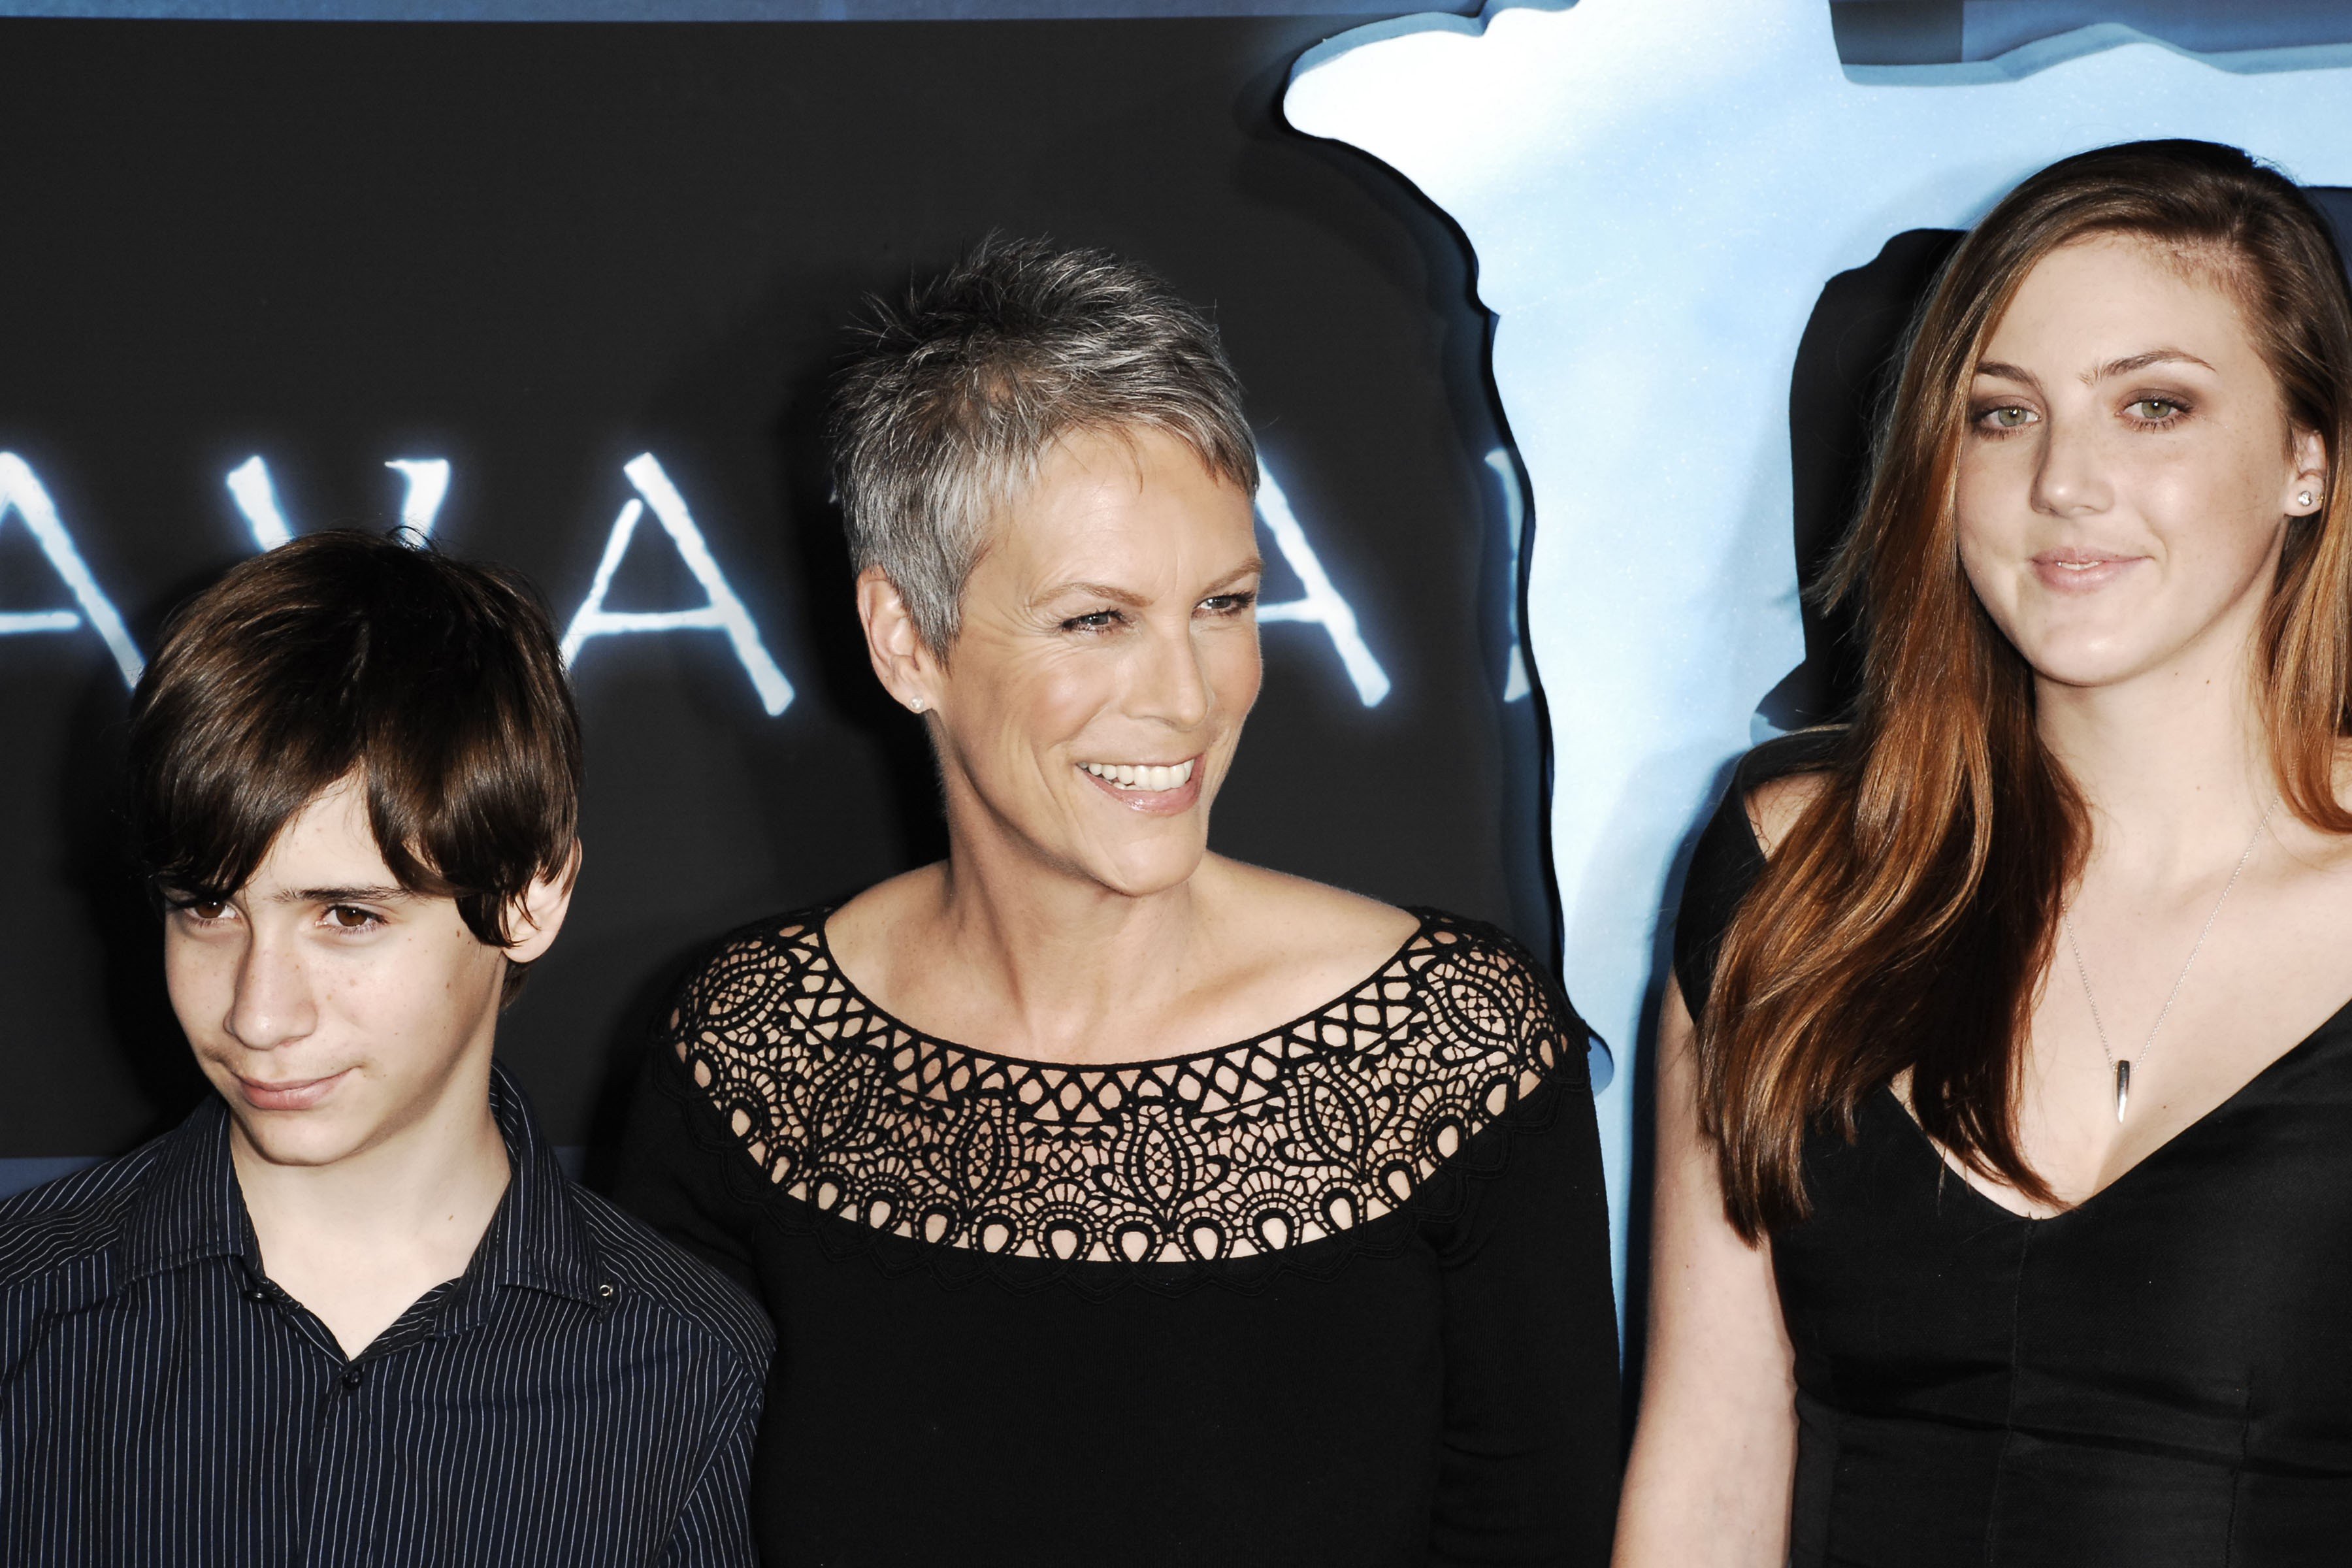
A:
1774	805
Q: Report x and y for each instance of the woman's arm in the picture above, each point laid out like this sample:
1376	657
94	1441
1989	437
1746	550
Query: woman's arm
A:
1714	1450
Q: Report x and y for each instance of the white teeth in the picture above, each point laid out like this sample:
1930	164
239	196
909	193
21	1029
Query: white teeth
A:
1142	776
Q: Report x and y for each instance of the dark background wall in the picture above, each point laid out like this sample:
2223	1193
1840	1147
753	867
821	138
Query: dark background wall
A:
538	251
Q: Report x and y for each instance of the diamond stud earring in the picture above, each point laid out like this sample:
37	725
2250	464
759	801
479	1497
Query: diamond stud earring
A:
2304	499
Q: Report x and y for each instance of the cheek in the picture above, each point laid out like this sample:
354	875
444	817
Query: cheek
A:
424	991
1236	672
1055	700
199	978
2223	508
1991	496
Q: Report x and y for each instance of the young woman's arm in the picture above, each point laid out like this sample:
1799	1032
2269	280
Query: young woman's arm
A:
1715	1448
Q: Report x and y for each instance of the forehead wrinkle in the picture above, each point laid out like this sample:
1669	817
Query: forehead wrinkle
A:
1252	567
1098	590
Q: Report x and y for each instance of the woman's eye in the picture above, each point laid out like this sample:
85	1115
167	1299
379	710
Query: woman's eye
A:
1095	621
2155	410
350	917
2008	416
1229	604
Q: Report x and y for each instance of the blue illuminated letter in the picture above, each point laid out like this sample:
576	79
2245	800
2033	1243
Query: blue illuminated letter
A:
1515	523
251	487
1321	603
21	493
256	498
720	612
428	487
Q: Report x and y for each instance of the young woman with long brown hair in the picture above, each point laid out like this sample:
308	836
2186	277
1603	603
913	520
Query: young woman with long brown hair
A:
2004	1208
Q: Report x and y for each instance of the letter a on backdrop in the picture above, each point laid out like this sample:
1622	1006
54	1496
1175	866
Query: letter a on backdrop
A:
721	611
23	495
1320	604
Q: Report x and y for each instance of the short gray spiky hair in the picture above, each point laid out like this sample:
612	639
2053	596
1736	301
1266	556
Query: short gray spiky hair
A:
956	397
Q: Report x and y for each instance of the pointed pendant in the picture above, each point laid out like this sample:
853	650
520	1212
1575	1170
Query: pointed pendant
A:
2123	1088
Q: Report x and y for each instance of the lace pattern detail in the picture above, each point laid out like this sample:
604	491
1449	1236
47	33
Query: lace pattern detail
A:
1309	1131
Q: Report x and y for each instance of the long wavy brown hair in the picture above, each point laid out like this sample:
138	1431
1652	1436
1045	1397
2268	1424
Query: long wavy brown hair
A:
1904	919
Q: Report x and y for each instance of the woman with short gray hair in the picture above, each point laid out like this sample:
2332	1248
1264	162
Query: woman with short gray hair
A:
1115	1201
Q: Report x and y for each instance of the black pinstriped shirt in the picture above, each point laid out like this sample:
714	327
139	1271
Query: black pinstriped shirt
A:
582	1394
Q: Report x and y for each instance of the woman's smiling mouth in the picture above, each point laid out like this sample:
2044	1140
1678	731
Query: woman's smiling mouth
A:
1155	789
1142	775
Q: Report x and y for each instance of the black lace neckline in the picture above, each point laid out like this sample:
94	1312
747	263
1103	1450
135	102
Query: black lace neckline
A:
859	1124
821	918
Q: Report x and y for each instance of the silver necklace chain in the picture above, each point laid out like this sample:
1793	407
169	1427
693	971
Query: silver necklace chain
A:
2122	1070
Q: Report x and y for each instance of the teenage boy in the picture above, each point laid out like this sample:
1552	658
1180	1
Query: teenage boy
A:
351	1311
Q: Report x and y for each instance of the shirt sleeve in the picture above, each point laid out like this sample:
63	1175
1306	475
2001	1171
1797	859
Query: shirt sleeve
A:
714	1530
1529	1455
673	1167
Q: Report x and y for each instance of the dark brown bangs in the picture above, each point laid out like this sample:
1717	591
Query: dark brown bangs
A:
437	685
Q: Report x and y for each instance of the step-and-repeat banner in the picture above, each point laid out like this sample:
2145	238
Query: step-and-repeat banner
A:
570	295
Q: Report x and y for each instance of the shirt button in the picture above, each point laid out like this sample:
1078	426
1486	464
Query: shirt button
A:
256	1293
604	1292
352	1377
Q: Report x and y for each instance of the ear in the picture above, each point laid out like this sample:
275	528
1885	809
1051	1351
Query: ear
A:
2308	452
538	914
907	668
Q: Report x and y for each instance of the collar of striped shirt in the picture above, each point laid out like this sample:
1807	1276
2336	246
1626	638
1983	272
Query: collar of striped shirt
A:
191	1207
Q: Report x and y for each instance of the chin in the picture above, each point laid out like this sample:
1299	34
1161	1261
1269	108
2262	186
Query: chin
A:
1145	872
304	1138
2087	661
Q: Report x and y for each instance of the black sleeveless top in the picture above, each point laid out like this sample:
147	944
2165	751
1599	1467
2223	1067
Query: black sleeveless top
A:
2158	1378
1338	1294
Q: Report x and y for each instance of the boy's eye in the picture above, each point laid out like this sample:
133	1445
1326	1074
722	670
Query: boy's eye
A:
349	917
204	909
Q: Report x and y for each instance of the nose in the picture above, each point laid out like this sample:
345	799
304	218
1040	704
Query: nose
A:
2070	479
1171	686
272	1004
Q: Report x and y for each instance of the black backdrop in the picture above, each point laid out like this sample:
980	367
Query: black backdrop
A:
539	250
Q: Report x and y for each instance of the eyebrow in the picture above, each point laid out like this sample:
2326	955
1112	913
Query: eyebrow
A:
2126	366
378	895
1253	567
1092	590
